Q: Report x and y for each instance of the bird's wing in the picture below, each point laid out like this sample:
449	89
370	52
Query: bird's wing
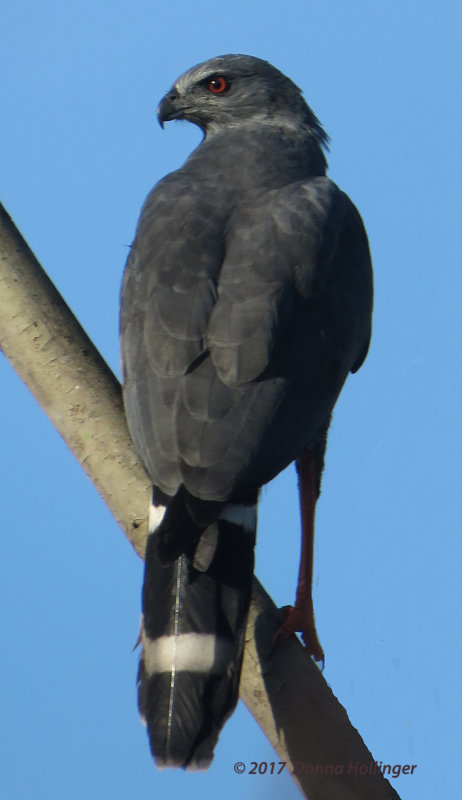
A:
168	293
169	283
296	259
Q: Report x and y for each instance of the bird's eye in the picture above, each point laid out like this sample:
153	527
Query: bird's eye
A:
218	84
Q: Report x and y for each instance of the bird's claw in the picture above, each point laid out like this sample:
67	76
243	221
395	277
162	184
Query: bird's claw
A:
297	620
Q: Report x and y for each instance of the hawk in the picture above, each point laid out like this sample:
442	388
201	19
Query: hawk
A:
246	302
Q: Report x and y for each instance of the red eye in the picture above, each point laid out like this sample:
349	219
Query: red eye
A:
218	85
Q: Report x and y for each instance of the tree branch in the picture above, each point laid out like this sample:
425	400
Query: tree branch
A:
285	692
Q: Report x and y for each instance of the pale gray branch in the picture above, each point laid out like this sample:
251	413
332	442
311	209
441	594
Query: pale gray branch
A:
286	693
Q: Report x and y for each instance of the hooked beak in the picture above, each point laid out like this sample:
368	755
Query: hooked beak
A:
169	108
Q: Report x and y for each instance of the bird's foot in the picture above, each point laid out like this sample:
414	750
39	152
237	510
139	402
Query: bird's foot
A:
299	620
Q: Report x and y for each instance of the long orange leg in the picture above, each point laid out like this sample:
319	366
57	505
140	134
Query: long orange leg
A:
300	618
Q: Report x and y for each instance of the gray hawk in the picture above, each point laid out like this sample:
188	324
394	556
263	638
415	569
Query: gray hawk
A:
246	302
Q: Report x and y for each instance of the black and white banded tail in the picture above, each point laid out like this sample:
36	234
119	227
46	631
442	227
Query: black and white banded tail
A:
196	596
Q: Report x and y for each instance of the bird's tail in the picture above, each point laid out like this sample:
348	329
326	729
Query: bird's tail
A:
194	617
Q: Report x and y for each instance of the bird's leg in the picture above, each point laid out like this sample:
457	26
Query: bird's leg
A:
300	618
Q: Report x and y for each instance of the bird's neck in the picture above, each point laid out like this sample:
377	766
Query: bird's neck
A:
259	156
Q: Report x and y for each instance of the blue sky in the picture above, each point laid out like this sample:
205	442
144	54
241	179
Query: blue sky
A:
80	150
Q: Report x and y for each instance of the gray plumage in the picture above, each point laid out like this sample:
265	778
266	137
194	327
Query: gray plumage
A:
246	301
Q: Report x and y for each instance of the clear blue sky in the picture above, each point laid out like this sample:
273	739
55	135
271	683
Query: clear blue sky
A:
80	149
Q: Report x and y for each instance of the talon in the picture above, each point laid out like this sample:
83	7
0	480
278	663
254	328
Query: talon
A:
290	626
321	663
297	621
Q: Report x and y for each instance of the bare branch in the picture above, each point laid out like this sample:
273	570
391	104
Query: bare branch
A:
285	692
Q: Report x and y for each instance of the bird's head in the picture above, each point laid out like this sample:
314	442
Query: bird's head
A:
234	90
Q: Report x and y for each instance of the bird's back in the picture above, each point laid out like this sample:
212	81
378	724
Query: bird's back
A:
244	312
